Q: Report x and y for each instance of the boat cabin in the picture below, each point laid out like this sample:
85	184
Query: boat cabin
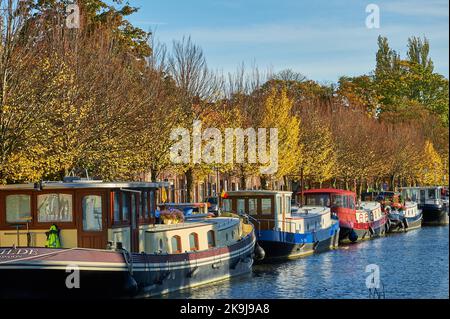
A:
383	196
431	195
267	207
340	202
89	214
192	235
272	211
344	206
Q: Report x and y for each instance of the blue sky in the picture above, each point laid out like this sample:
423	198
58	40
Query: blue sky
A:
320	39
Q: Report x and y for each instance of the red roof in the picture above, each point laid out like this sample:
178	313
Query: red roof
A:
327	191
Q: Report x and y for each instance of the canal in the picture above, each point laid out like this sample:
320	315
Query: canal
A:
411	265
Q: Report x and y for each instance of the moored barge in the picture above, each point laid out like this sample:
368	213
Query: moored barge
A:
403	215
356	223
281	233
109	244
431	200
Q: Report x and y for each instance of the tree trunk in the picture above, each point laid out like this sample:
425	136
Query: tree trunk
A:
286	183
154	175
243	181
392	181
302	185
189	185
263	180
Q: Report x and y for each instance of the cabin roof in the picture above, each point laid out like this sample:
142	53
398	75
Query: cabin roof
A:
310	211
85	184
256	192
327	191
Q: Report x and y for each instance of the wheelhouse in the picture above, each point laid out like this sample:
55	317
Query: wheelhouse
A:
383	196
89	214
269	208
425	195
339	201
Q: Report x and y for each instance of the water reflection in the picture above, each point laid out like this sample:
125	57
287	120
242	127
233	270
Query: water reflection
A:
412	265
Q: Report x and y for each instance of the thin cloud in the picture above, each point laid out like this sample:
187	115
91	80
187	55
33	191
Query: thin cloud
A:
417	8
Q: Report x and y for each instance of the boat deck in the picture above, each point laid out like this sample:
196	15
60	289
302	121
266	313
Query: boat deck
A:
309	211
220	223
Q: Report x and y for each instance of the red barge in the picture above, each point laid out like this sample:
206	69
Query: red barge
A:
356	222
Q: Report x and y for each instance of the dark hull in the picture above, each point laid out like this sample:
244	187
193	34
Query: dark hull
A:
352	235
277	250
45	283
110	274
158	282
434	215
404	225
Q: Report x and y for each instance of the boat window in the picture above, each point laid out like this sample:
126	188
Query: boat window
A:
338	201
18	208
141	204
211	239
317	200
414	196
288	204
227	205
92	213
54	208
233	234
193	241
279	206
351	202
266	206
253	206
125	207
176	244
152	203
226	237
133	209
161	244
145	205
241	206
116	207
431	194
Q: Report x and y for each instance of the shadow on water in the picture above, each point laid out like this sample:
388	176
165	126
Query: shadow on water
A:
412	265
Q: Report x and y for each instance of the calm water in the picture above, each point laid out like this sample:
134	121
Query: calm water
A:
412	265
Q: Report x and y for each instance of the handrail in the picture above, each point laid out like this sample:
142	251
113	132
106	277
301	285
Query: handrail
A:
290	223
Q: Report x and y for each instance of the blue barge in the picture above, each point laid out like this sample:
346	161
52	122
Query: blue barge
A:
281	233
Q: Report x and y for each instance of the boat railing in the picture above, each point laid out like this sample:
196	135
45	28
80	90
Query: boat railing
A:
292	226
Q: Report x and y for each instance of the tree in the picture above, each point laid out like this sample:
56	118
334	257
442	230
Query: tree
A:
198	86
431	166
277	113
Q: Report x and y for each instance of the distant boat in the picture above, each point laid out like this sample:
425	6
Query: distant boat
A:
108	235
356	223
432	200
402	216
281	233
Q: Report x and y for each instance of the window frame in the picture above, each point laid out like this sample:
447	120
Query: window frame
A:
103	229
34	224
196	242
55	222
214	243
179	247
32	205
